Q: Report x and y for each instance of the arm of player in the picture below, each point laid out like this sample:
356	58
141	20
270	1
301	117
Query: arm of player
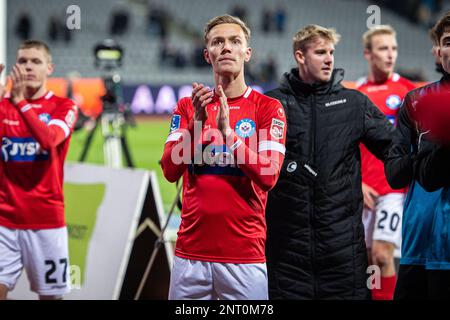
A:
431	165
262	166
398	166
266	165
378	131
180	144
175	161
48	136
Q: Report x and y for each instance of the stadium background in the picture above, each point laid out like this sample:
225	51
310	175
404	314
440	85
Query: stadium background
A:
163	43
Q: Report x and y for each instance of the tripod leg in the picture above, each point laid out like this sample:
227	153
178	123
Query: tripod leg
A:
126	151
88	142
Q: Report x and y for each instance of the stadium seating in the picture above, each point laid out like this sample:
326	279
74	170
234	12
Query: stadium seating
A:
141	60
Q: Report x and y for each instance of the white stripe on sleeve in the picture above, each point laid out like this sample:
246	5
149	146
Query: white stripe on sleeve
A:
174	137
271	145
61	124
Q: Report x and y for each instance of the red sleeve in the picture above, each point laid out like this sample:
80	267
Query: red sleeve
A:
175	160
263	165
57	130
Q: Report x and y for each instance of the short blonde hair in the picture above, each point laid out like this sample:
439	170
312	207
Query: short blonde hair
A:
37	44
223	19
311	32
374	31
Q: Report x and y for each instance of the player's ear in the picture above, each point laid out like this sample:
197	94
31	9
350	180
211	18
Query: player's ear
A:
50	68
367	54
299	57
439	53
206	56
248	54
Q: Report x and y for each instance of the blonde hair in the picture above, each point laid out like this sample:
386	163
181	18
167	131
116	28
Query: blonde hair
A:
374	31
223	19
311	32
36	44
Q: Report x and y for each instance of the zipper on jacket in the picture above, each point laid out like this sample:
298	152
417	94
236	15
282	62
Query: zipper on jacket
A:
312	148
312	211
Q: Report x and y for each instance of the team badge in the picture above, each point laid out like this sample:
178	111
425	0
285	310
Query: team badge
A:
175	124
393	102
277	128
44	117
245	128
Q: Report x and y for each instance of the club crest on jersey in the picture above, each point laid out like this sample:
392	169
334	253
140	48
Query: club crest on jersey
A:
22	150
393	102
277	128
175	124
45	118
245	128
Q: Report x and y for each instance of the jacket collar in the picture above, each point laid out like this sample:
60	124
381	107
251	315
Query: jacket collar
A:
292	82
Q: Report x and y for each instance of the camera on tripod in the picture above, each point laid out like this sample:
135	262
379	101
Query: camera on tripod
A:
116	115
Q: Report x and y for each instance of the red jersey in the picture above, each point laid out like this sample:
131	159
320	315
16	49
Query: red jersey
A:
223	212
388	97
31	177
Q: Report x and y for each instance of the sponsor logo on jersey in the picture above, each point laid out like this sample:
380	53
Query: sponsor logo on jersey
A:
45	118
234	107
216	160
22	150
245	128
11	122
277	128
393	102
175	124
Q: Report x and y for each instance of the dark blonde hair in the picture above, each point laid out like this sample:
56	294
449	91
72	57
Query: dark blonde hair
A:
36	44
223	19
311	32
374	31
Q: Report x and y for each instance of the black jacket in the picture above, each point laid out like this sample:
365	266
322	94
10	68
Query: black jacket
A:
315	241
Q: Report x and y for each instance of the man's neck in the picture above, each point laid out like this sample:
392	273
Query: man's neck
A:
33	93
378	77
233	87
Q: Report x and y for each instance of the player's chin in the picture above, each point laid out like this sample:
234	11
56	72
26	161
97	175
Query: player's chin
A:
33	84
325	76
227	70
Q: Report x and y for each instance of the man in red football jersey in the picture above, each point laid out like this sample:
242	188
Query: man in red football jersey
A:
228	145
383	206
35	130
